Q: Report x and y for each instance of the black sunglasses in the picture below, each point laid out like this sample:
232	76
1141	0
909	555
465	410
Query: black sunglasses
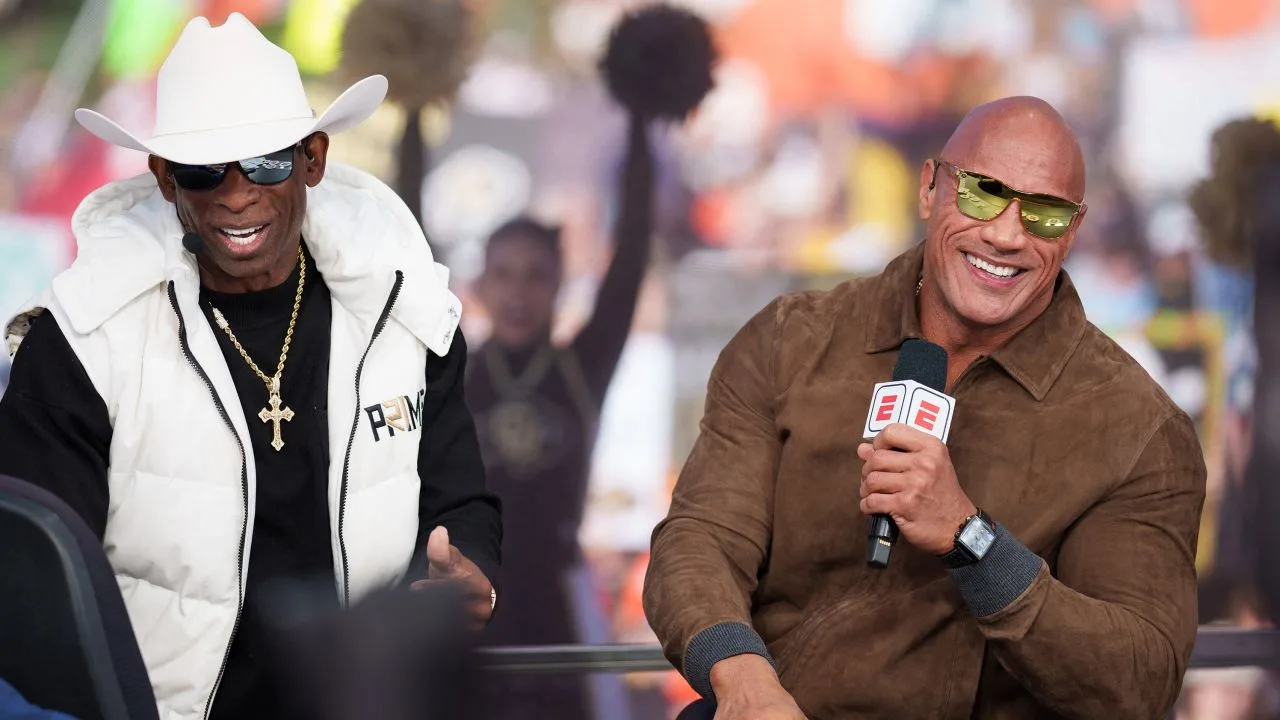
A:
270	169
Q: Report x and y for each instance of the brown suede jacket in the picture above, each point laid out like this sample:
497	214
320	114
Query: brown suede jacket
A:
1085	606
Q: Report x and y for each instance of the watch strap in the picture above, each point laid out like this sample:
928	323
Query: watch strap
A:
959	555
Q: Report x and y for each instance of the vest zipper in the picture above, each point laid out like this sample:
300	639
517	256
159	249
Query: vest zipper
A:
355	423
244	488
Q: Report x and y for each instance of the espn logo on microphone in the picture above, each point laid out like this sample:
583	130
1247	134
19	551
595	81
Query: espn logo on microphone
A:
910	403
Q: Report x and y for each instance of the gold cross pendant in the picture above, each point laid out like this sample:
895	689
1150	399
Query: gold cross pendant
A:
275	415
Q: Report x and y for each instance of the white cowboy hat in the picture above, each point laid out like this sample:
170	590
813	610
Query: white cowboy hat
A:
228	93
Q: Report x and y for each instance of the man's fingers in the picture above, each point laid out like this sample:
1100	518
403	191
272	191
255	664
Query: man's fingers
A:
878	503
423	585
903	437
471	593
881	483
479	604
894	461
481	612
443	558
438	546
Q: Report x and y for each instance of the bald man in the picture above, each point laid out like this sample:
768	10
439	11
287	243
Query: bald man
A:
1046	563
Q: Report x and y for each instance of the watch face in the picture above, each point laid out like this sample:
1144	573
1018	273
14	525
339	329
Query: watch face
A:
977	537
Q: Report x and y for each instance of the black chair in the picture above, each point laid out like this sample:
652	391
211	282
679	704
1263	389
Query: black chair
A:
66	642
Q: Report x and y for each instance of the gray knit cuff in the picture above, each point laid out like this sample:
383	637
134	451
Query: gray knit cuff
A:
714	644
1003	574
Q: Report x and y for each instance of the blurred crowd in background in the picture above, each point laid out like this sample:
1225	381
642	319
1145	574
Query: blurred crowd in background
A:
799	170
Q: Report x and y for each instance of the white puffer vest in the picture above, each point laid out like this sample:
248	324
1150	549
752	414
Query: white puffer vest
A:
182	478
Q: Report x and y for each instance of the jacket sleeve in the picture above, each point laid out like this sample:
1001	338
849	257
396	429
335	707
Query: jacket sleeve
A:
707	553
454	491
1111	634
55	431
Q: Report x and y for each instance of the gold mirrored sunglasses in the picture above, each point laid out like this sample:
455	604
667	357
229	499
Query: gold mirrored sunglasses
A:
984	198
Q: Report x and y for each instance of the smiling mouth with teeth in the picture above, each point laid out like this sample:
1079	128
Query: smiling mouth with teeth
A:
242	236
999	271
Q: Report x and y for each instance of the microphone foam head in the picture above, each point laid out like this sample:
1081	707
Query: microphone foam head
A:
193	243
924	362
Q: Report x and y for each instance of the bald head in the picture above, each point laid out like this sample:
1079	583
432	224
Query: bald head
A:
1023	142
986	278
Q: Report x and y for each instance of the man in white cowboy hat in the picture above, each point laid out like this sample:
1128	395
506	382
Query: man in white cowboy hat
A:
249	379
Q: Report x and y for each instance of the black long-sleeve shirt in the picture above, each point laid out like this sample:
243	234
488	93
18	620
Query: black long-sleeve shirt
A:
55	432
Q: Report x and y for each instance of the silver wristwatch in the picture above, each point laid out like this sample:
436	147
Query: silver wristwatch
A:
973	540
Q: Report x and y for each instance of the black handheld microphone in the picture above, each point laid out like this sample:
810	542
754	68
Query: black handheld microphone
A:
193	243
921	363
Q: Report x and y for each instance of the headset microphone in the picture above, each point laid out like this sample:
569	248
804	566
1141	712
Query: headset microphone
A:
193	243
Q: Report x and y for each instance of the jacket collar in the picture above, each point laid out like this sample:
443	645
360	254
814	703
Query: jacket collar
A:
1034	357
359	232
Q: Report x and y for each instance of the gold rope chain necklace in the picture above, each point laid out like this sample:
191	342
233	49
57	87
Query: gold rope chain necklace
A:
273	414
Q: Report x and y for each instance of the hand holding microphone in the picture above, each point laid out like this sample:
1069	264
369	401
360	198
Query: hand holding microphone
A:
907	475
909	485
